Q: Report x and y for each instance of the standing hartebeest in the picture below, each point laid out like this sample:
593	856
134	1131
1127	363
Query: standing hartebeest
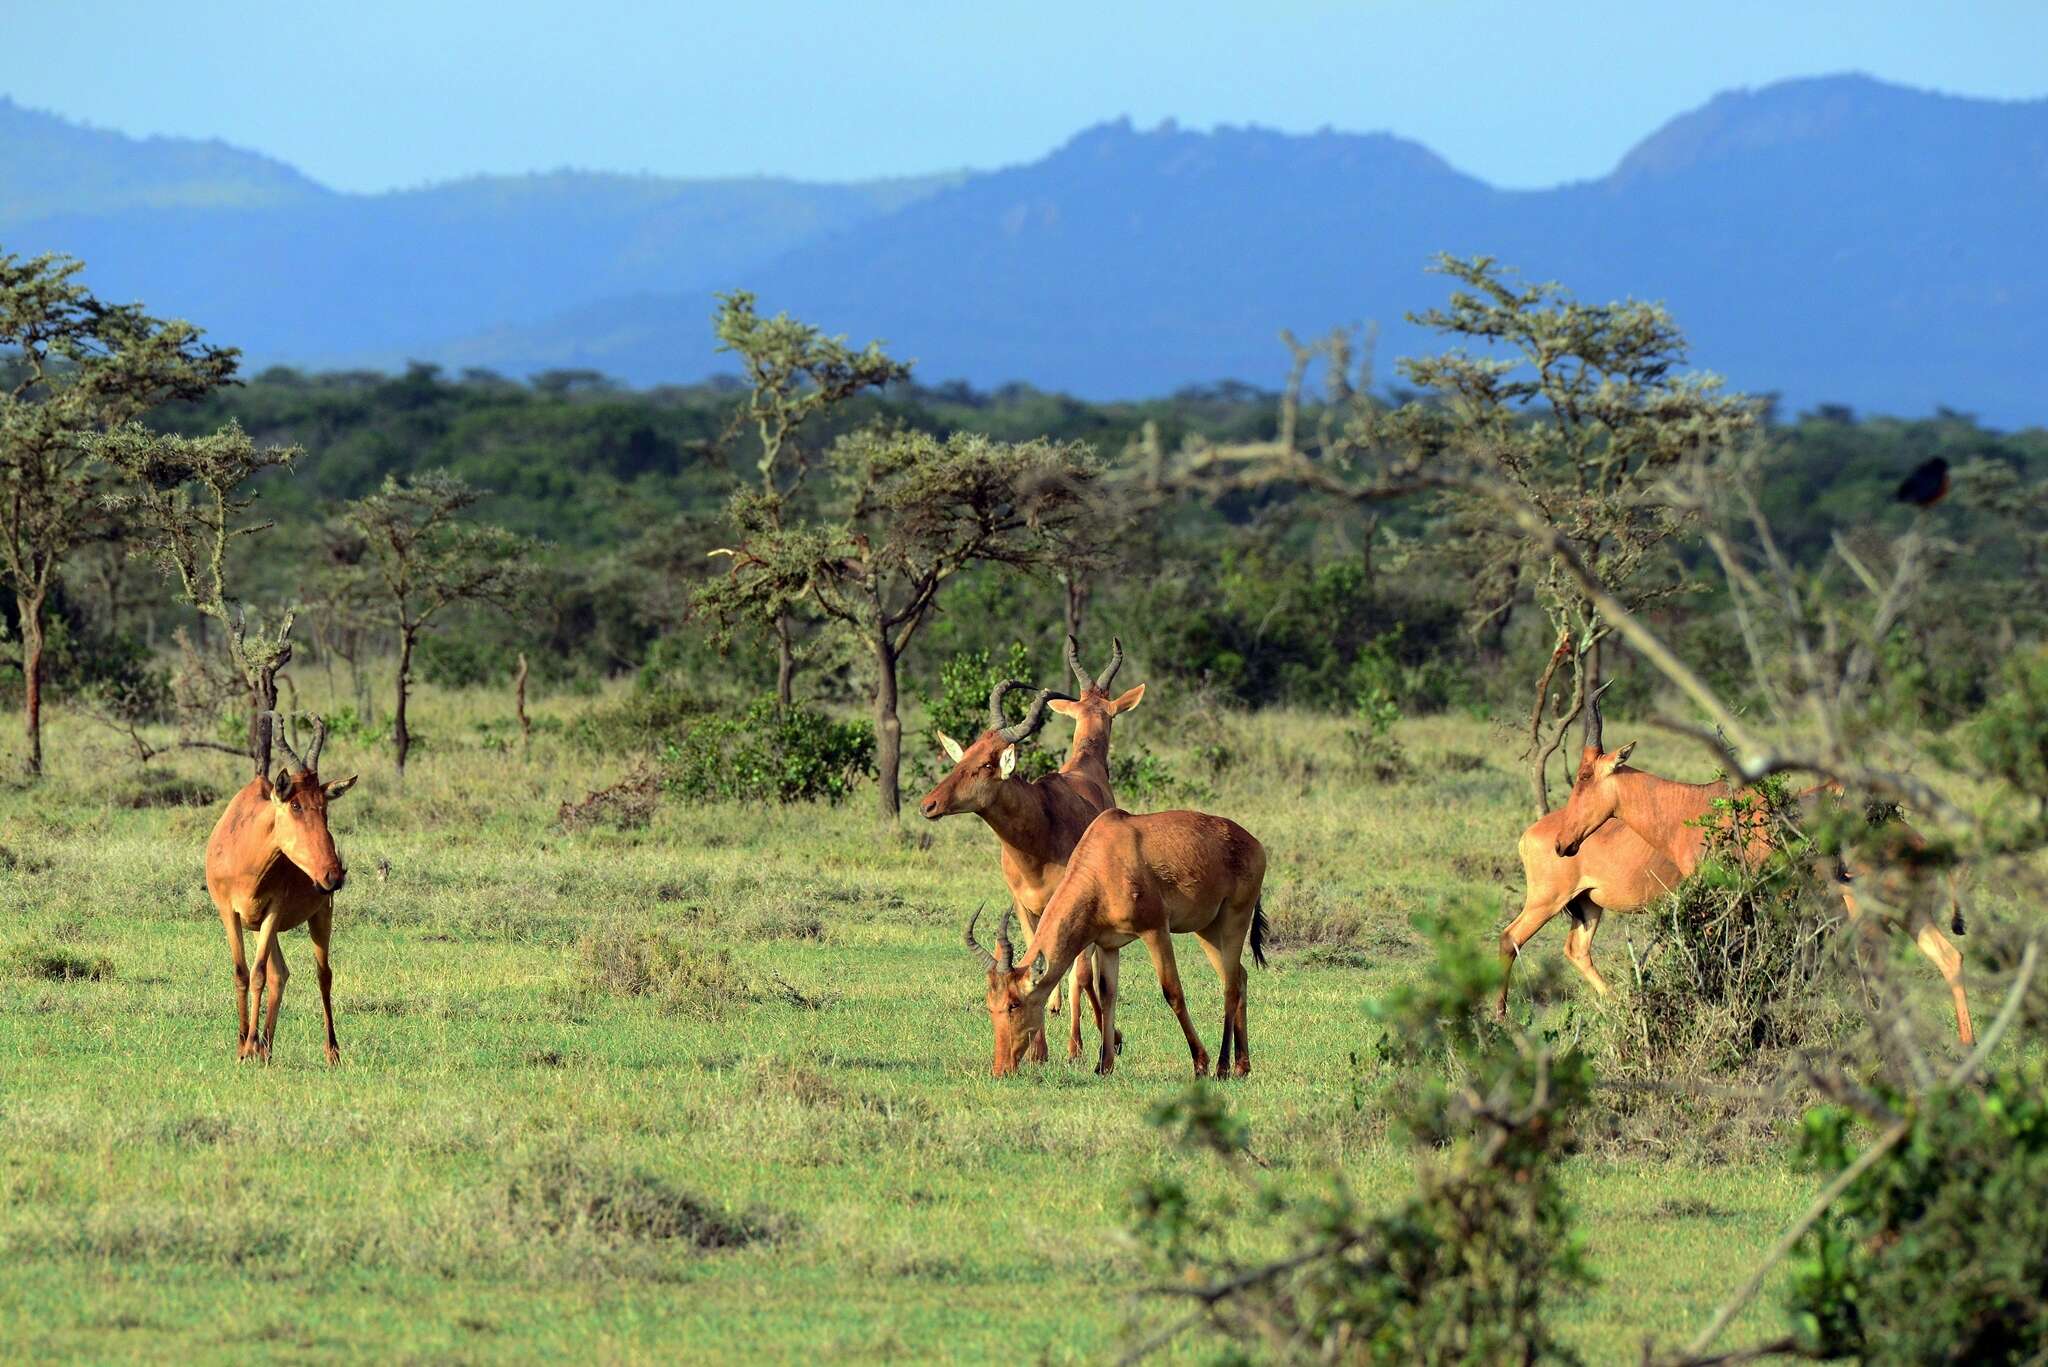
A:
1138	878
1039	822
1668	816
271	865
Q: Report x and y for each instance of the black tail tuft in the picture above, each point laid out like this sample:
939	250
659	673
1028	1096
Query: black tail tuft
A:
1956	920
1259	932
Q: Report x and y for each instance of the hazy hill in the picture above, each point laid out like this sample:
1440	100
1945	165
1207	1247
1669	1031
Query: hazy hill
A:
1835	239
291	271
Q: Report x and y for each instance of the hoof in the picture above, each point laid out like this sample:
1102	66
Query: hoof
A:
333	1055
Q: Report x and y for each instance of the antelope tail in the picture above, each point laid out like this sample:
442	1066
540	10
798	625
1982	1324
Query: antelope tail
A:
1259	932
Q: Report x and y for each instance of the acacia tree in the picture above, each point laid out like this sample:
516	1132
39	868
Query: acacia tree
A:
914	510
71	367
418	557
795	373
1578	409
184	498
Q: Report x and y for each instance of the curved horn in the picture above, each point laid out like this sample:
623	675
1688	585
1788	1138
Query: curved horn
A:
1593	718
995	702
1116	662
1074	662
319	739
1033	719
282	738
1006	957
975	944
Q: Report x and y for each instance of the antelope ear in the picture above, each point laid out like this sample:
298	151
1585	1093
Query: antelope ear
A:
950	746
335	790
1064	707
281	786
1008	763
1127	701
1621	756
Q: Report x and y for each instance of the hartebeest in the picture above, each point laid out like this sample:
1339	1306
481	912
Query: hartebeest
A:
1670	817
271	865
1039	822
1613	869
1138	878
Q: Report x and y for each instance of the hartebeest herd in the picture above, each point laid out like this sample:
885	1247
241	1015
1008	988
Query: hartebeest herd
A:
1085	877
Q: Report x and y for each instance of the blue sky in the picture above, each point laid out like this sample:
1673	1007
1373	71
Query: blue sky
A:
367	96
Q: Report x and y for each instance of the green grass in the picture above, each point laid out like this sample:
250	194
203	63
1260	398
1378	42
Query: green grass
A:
518	1157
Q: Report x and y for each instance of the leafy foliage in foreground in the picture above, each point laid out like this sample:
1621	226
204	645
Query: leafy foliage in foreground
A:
1471	1268
1940	1253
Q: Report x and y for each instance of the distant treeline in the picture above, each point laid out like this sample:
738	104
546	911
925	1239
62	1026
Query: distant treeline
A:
1258	599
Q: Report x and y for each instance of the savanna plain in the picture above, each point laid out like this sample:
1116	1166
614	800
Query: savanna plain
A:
719	1086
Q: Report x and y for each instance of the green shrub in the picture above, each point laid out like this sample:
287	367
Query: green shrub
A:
1373	747
2009	739
1939	1252
1476	1266
655	714
769	754
960	707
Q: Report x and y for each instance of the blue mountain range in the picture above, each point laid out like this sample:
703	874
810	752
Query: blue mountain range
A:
1835	239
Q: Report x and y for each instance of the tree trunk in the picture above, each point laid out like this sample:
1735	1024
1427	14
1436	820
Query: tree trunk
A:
888	730
262	698
31	611
785	662
401	739
1591	669
1077	601
519	706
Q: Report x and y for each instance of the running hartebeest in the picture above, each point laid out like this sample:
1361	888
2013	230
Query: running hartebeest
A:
271	865
1613	869
1039	822
1138	878
1667	815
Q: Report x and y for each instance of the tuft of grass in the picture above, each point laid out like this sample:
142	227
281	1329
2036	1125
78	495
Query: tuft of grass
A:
687	979
56	965
170	790
561	1192
627	805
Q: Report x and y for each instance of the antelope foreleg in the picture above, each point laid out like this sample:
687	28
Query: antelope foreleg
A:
1536	913
266	947
318	930
232	924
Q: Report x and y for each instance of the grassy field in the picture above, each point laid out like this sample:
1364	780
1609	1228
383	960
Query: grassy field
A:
800	1155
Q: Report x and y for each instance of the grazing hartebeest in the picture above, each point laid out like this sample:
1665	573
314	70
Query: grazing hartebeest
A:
1139	878
1668	816
271	865
1039	822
